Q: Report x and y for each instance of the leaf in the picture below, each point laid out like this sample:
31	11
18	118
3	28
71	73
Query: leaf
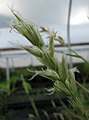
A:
4	86
79	56
74	55
27	87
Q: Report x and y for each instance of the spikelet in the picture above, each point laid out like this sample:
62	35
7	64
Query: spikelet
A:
50	74
60	86
73	86
64	72
33	50
28	30
17	15
51	46
61	41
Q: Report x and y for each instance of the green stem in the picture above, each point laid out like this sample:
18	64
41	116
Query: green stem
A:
82	87
34	107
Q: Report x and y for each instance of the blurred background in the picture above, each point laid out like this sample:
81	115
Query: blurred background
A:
71	21
53	14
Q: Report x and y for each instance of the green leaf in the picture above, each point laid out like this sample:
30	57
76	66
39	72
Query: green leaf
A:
27	87
4	86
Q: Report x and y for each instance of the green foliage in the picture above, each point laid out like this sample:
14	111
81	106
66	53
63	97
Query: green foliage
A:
4	87
4	95
27	87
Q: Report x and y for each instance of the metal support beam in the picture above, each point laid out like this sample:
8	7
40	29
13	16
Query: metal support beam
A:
68	32
7	69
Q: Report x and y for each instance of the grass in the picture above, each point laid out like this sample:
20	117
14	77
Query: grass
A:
63	78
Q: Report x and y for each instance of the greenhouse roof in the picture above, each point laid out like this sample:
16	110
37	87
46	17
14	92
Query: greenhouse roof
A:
51	13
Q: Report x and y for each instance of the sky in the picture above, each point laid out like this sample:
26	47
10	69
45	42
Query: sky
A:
50	13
